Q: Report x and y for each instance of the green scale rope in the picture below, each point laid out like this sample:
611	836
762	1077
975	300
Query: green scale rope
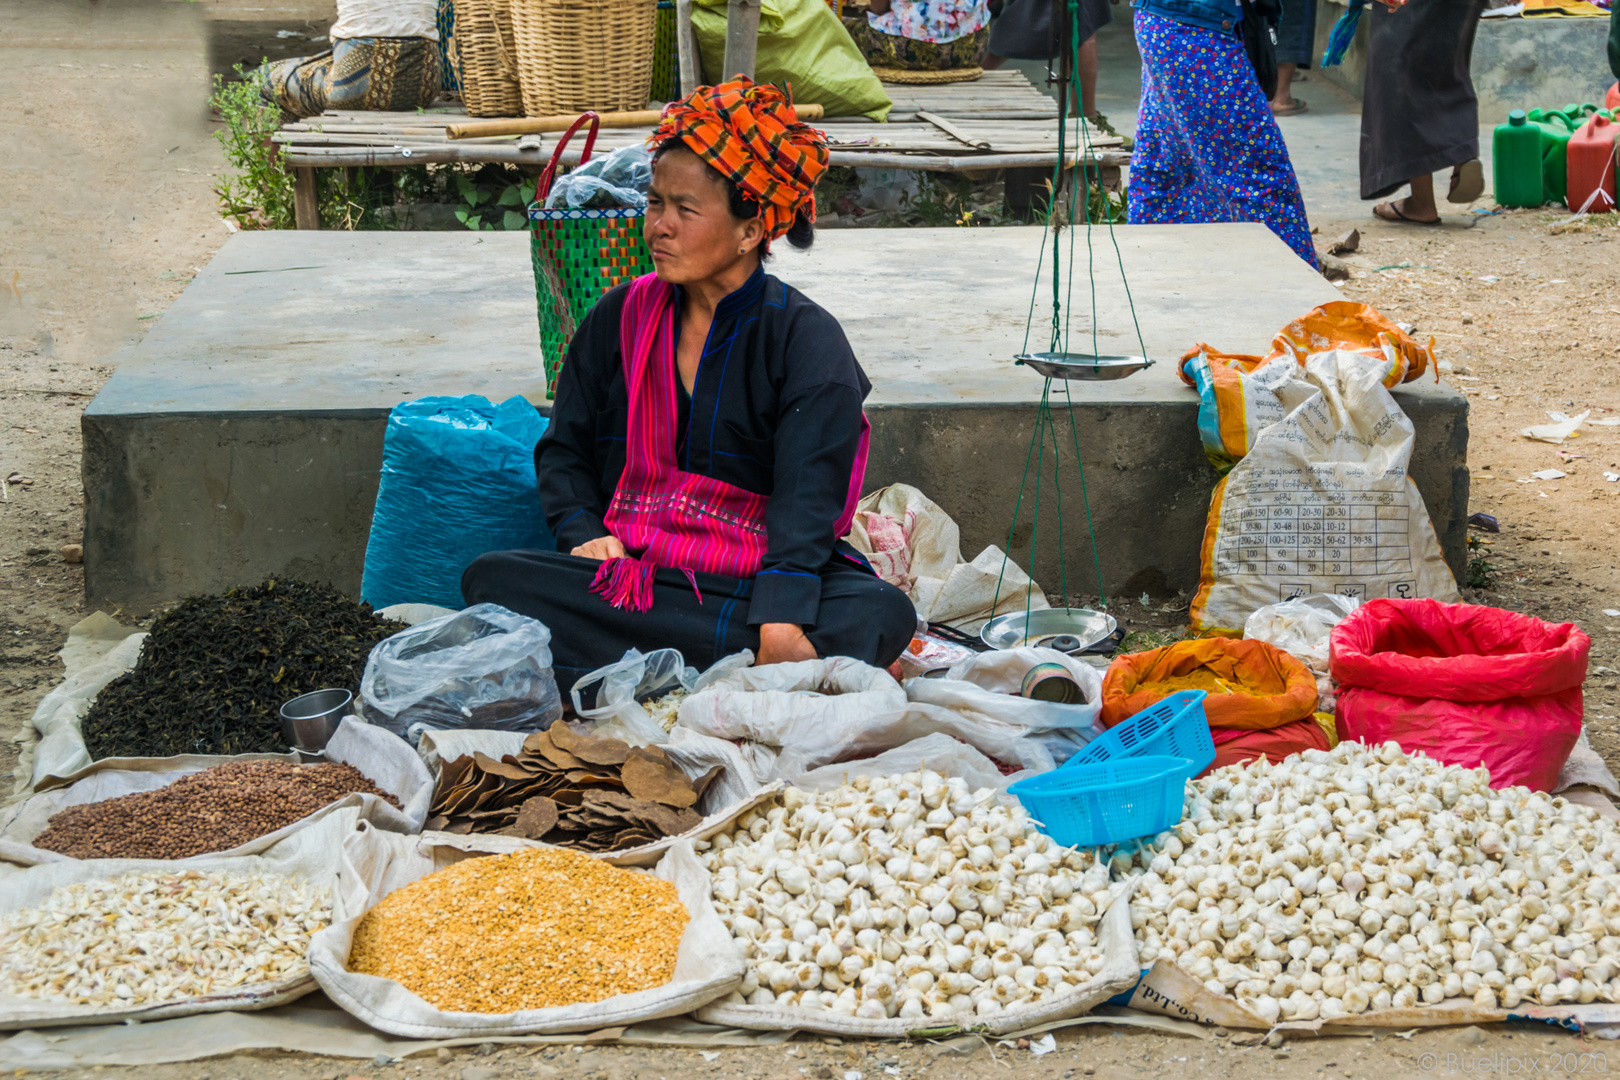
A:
1063	297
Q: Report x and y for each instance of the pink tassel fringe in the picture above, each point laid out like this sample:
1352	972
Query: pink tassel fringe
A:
625	583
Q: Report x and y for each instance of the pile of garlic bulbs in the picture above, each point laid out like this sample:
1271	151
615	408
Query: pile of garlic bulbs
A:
1364	878
906	896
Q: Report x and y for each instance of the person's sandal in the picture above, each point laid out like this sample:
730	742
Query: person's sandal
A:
1293	108
1467	182
1396	217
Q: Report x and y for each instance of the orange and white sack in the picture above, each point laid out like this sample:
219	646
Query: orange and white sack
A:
1238	391
1322	503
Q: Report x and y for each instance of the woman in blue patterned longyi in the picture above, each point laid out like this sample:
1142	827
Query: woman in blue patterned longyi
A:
1207	146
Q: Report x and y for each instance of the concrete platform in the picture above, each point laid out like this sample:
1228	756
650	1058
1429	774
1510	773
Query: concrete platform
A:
243	436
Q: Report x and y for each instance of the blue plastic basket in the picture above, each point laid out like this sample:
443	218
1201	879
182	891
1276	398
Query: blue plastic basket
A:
1175	727
1109	803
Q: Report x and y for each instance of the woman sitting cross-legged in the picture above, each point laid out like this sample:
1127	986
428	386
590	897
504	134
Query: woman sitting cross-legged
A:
708	442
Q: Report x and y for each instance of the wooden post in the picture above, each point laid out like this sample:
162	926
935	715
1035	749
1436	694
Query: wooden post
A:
742	38
306	207
686	52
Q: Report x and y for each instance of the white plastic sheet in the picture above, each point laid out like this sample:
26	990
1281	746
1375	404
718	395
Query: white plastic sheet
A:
309	854
915	546
807	708
984	689
374	864
381	756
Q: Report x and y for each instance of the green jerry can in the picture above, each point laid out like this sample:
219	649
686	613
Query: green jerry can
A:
1516	162
1555	129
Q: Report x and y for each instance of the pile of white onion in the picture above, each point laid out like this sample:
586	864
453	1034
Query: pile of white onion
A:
906	896
1364	878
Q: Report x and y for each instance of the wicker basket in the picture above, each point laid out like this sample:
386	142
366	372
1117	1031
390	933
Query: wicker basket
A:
576	55
488	56
666	76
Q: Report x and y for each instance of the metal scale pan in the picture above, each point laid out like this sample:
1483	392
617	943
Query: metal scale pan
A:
1084	366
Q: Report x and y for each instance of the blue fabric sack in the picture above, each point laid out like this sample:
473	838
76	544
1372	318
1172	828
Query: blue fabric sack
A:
457	481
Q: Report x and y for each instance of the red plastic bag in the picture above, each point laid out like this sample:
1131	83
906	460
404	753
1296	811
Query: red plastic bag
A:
1467	685
1234	747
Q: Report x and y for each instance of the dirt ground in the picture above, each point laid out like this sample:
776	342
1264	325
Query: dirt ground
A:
107	162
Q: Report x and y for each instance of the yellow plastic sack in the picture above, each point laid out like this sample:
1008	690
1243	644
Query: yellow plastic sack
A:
802	48
1238	392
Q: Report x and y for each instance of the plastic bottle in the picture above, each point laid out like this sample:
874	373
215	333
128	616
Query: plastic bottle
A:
1516	162
1555	130
1592	166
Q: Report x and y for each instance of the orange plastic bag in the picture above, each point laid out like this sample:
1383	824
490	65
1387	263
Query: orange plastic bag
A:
1238	394
1315	732
1252	685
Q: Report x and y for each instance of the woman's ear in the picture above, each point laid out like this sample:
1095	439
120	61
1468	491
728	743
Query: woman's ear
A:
753	234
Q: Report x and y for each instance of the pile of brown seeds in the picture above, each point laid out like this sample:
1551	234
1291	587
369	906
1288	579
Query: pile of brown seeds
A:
531	930
212	810
571	790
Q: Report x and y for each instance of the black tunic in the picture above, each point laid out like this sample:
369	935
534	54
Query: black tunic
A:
776	410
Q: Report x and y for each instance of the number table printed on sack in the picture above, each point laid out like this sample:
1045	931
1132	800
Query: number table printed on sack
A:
1347	537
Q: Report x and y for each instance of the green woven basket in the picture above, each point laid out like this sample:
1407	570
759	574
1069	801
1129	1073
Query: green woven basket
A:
666	76
578	255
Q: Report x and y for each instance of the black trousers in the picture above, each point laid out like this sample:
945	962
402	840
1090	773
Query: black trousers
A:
861	615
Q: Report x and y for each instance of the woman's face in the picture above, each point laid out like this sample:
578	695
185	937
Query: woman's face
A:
689	227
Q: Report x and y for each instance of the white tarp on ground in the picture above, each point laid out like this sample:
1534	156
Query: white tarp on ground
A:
374	864
310	854
386	759
1119	972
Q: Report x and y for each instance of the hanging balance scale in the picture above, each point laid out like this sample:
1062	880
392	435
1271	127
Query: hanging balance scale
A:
1068	629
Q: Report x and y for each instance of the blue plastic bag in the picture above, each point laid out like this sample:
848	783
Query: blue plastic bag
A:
457	481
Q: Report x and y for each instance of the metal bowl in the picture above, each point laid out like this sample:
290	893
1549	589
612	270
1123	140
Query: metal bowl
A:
1067	365
1012	631
309	720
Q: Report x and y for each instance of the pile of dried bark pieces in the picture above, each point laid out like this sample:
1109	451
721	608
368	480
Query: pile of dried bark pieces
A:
572	790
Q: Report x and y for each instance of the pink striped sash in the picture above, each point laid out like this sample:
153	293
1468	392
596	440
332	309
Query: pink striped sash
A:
663	515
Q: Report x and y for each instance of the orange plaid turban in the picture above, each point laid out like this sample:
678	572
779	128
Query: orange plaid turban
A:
752	136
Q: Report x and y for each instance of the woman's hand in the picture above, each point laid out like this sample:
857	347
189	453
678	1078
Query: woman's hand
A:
602	548
781	643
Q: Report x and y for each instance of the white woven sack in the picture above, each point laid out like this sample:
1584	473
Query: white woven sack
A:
384	757
310	854
386	18
374	864
1119	973
98	650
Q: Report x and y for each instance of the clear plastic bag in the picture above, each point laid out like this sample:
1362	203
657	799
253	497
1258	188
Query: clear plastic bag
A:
485	667
616	179
634	678
1300	627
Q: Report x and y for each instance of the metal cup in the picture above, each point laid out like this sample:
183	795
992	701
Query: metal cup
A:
1052	682
309	720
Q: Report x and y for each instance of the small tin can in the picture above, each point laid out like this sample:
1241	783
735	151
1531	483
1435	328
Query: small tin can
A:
1052	682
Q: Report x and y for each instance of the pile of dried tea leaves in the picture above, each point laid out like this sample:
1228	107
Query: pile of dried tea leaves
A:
215	669
572	790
